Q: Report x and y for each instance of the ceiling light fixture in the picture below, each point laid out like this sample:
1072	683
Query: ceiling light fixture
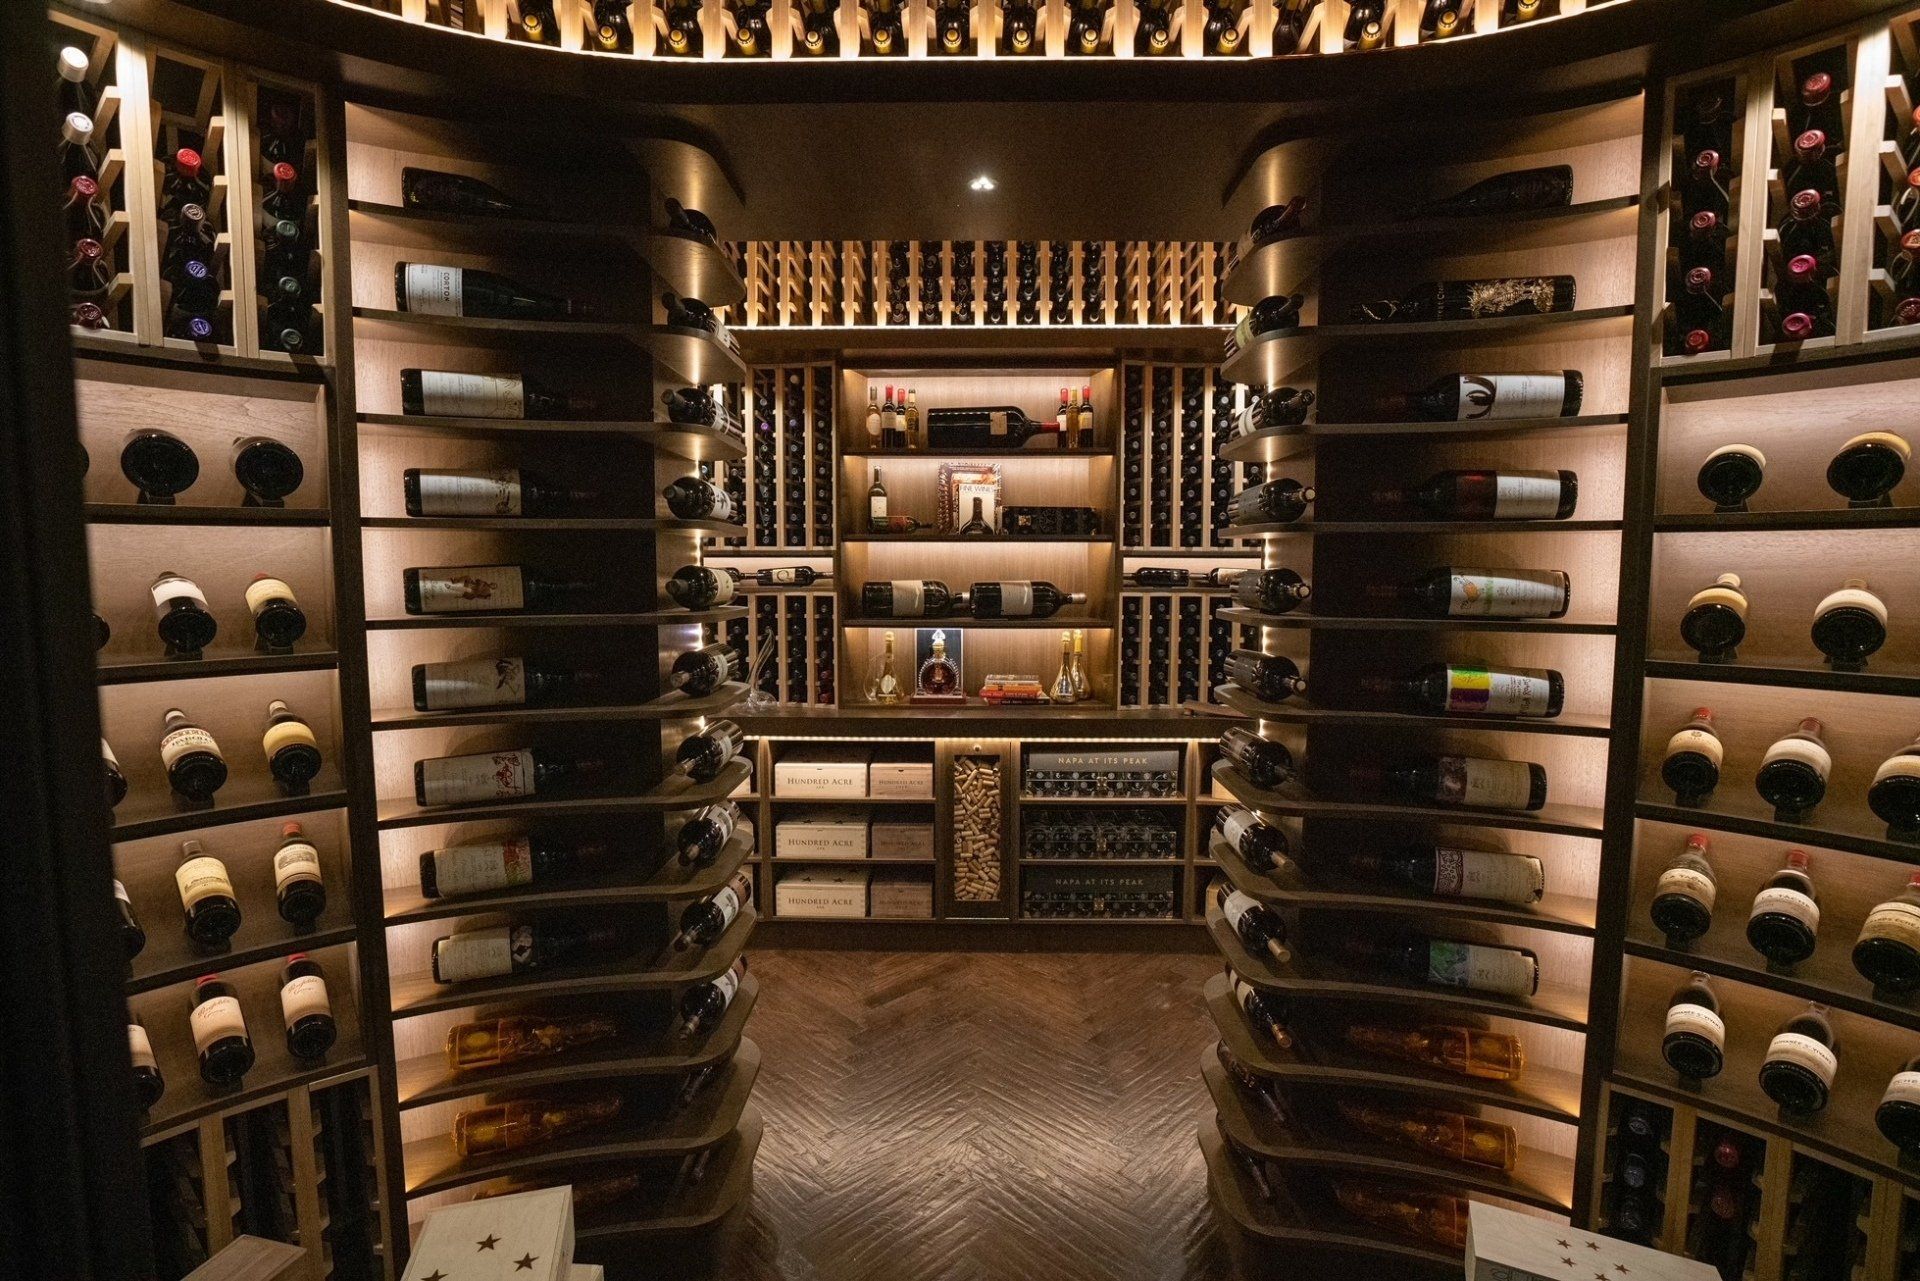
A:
982	183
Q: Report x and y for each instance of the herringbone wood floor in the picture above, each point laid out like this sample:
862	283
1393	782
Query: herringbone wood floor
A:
959	1116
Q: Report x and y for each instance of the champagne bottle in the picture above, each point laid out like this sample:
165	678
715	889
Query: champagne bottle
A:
702	923
524	1123
1894	795
1731	475
508	774
484	864
305	1009
1683	897
1440	300
432	191
1784	924
1063	681
1430	1216
883	682
1801	1063
1695	1040
298	885
1475	397
425	289
219	1033
1262	846
493	589
493	492
492	1043
206	897
1475	782
1440	872
1715	621
1489	495
1266	764
1269	591
1271	678
700	672
1452	591
1523	190
181	617
1868	467
1694	756
703	756
1473	689
703	1004
1020	599
1457	1050
495	682
501	950
442	393
1850	625
1793	773
292	751
195	768
1436	1130
702	837
1257	925
1439	962
278	620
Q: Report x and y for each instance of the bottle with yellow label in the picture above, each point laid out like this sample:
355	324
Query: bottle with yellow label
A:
293	753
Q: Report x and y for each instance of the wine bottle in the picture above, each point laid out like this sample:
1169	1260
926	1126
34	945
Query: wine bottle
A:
1683	897
116	781
1784	925
1801	1063
1439	962
1812	168
1695	1041
102	633
696	498
194	765
148	1084
1450	1048
703	836
1472	689
1793	774
219	1033
306	1009
503	862
1894	795
1716	619
492	1043
1280	500
1020	599
1806	232
181	616
1271	314
1266	764
495	492
292	751
1440	300
278	620
1476	397
1888	950
702	923
1806	308
134	937
1898	1115
985	427
494	682
1469	781
906	598
1693	760
1701	319
1452	591
1868	467
523	1123
702	756
1084	414
76	152
1521	191
266	469
443	393
1849	625
425	289
298	886
1257	925
504	775
703	1004
1439	872
1062	691
493	589
1490	495
876	505
977	526
206	897
701	587
1269	591
1262	846
785	576
433	191
1431	1216
158	464
500	950
1271	678
700	672
1731	475
1436	1130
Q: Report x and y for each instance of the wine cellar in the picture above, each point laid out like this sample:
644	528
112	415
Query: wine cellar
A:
1367	542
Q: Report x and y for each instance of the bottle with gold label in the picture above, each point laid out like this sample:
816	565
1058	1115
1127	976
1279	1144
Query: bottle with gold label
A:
884	685
588	1194
1081	692
1716	620
207	897
1063	681
293	753
1430	1216
495	1042
1449	1134
523	1123
1463	1051
1868	467
1849	625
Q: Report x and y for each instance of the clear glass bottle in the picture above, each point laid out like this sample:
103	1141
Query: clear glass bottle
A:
883	685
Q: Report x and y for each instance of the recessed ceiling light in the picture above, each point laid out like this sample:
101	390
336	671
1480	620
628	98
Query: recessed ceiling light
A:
982	183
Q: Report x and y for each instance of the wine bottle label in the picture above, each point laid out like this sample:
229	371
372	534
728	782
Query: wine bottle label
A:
909	598
1701	742
1488	784
120	892
142	1047
1236	825
1742	451
1512	396
445	394
476	682
184	741
1237	907
1483	969
106	754
1905	765
1526	495
1800	1050
434	291
778	577
489	776
1688	883
476	954
1500	878
1894	921
1016	600
1513	593
216	1019
726	985
1244	993
284	734
296	861
304	996
727	902
487	587
1853	598
1903	1088
877	509
490	865
1882	439
169	590
1479	691
723	589
1687	1019
1779	900
471	493
263	592
1802	751
1727	597
202	878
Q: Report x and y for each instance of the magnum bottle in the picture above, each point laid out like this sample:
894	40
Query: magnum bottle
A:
1490	495
292	751
1271	678
906	598
195	768
525	1123
1868	467
305	1008
298	886
432	191
1793	773
1683	897
703	922
1784	925
425	289
1524	190
1894	794
704	755
1266	764
1280	500
703	1004
493	589
181	616
500	950
505	775
1020	599
496	492
1269	591
1471	300
1731	475
492	1043
278	620
1715	621
1801	1063
1452	591
494	682
219	1033
1445	1047
1476	689
1850	625
1262	846
443	393
206	897
700	672
493	863
1439	872
1440	962
1695	1041
1691	766
703	836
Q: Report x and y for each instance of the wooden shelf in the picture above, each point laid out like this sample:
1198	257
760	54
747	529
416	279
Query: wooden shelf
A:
1275	444
1272	357
1538	1178
693	268
170	956
417	994
936	540
648	618
728	1180
776	344
1101	862
675	793
985	454
1309	619
189	514
671	705
1834	518
432	1165
1334	528
694	354
1306	714
553	525
976	720
1560	820
215	663
700	444
656	1052
115	348
1879	679
240	801
1554	1005
1837	824
1101	800
1059	622
371	221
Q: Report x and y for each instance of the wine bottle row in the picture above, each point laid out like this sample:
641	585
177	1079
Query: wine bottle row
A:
1800	276
1447	780
1865	471
1173	419
785	489
1165	662
160	466
1792	774
94	203
196	769
1704	224
217	1025
195	267
210	904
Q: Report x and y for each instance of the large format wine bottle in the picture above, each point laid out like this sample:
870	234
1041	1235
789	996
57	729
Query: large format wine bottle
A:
1446	1047
1267	764
1269	591
1472	300
1260	845
219	1032
181	616
1472	397
1020	599
159	464
1475	689
1438	962
1522	190
1271	678
1691	766
1793	773
1453	591
525	1123
1489	495
494	682
497	1042
1435	1130
492	589
494	492
1868	467
267	470
425	289
906	598
444	393
1440	872
1801	1063
1695	1040
699	672
492	863
1715	621
1280	500
1894	795
509	774
1784	925
1475	782
432	191
499	950
1683	897
195	768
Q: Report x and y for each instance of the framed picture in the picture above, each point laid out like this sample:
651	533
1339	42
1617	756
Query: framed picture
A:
960	484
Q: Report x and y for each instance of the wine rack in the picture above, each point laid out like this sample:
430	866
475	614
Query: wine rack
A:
787	479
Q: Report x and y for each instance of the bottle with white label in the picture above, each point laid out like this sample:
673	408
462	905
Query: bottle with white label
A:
1260	845
1691	766
490	589
1471	397
297	880
492	863
1464	494
509	774
703	836
220	1033
700	672
498	492
1695	1042
206	896
1018	599
1849	625
1793	774
1894	795
702	923
702	586
873	415
906	598
500	950
1888	951
1476	689
305	1009
1868	467
494	682
1439	962
1898	1115
181	616
1784	925
697	498
148	1084
278	620
131	934
1452	591
876	505
1267	764
1263	1010
445	393
702	756
1801	1063
703	1004
292	751
195	768
1439	872
1475	782
1731	475
1683	897
1715	621
1258	926
425	289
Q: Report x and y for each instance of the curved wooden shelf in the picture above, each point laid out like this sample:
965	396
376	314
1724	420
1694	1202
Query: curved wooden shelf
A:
1560	820
644	618
728	1180
1834	518
215	663
416	994
1538	1178
406	905
1879	680
694	354
676	793
1288	886
1287	1220
240	801
671	705
371	221
1275	444
1554	1005
1334	528
427	1079
553	525
432	1165
1273	357
1358	623
1542	1092
700	444
693	268
189	514
1305	714
1750	816
385	324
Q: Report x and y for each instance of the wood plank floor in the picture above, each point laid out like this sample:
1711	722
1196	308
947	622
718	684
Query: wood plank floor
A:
966	1116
